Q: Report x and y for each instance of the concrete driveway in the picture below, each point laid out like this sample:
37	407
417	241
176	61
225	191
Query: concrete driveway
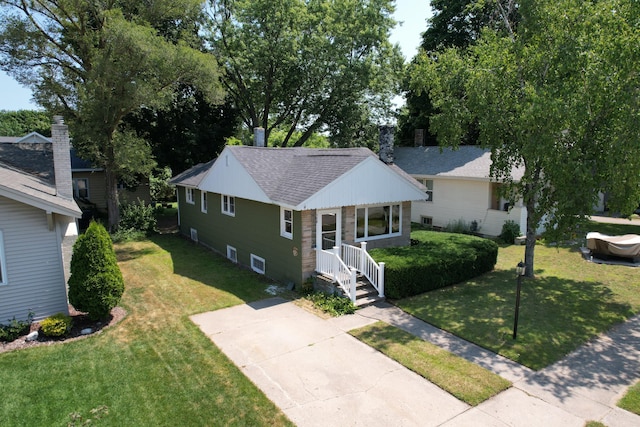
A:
318	374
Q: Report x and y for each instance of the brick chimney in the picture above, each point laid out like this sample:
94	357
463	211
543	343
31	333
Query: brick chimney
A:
386	144
258	137
61	157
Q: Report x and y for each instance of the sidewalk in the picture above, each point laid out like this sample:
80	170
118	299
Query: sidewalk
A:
586	384
319	375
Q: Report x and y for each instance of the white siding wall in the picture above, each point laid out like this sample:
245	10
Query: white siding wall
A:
34	264
469	200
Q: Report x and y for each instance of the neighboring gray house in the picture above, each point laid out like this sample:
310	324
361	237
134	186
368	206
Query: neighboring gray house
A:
459	187
288	213
37	226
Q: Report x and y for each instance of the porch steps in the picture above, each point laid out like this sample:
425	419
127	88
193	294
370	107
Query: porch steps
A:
366	294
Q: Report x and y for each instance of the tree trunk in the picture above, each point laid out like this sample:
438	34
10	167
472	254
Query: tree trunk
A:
113	210
530	242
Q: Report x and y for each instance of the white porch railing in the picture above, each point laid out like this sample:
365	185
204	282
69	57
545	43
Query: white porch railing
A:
359	258
330	263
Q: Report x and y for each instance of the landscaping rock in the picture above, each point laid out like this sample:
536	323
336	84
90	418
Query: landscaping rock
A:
86	331
32	336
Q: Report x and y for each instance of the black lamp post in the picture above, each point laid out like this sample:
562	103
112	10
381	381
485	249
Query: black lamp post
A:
520	270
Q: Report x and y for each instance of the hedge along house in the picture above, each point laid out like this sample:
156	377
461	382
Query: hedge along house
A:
289	213
37	226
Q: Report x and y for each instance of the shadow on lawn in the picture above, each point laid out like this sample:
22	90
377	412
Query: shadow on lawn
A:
211	269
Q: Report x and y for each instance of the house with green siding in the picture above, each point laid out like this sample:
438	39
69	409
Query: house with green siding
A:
290	213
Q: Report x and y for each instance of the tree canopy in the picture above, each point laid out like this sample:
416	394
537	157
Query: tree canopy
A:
559	97
96	62
308	66
23	122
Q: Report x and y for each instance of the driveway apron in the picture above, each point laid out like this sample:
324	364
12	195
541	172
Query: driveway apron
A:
318	374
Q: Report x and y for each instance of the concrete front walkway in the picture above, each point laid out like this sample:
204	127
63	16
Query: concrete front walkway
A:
320	375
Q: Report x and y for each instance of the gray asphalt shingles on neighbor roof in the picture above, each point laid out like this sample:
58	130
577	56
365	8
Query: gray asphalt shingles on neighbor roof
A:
465	162
292	175
192	177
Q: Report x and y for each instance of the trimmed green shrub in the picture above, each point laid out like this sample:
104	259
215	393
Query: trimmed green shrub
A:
57	325
435	260
96	284
510	230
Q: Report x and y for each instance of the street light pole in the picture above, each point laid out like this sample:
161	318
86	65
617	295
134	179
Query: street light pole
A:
520	270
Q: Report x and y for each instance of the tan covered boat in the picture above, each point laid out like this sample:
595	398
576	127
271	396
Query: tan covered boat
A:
626	246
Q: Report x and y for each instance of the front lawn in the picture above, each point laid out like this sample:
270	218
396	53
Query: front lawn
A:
464	380
569	302
154	368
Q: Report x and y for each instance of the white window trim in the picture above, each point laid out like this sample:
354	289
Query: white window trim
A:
232	254
203	201
193	233
76	189
366	223
428	193
3	264
256	269
189	196
283	223
228	211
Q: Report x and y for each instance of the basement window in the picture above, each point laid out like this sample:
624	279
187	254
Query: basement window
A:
232	254
258	264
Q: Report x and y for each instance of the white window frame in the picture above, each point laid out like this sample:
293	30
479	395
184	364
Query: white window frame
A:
3	264
232	254
193	233
76	189
259	259
426	221
189	196
203	201
228	205
284	222
429	190
366	222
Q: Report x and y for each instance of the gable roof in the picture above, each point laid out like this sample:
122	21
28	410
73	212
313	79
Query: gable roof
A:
34	191
467	161
303	178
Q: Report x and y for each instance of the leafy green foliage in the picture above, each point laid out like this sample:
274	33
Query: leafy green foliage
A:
23	122
138	216
435	260
332	304
308	66
510	230
159	187
542	100
15	328
57	325
109	60
96	284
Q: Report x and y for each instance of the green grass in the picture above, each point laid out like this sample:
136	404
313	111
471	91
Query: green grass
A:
463	379
631	400
154	368
569	302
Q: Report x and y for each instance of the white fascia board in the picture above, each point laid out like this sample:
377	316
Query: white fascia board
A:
228	176
370	182
39	203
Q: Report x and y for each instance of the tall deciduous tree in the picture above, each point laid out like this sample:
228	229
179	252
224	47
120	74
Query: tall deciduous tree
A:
307	65
560	97
454	23
96	62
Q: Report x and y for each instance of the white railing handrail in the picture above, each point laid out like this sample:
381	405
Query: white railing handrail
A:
330	263
361	260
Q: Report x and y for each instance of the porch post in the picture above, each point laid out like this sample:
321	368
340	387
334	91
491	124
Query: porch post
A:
363	260
336	262
352	285
381	280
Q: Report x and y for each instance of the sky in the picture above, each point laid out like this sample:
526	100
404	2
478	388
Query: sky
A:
412	15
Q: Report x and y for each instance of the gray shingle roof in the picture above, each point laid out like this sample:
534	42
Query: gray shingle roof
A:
193	176
292	175
35	159
466	162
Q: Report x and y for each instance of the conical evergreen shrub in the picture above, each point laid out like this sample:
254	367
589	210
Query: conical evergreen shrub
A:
96	284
